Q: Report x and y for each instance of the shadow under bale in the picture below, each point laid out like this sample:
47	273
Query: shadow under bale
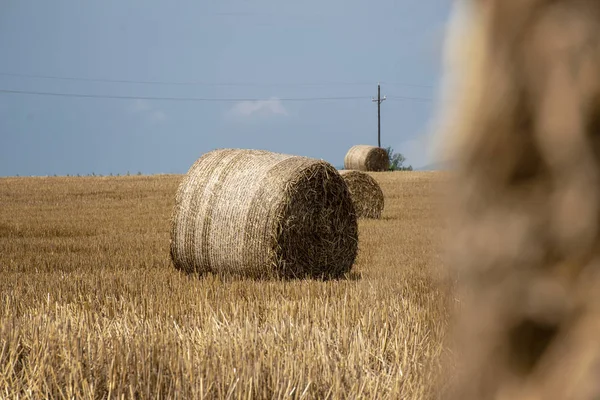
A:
259	214
521	124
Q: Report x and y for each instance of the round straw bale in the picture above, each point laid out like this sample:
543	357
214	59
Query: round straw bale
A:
367	158
259	214
366	193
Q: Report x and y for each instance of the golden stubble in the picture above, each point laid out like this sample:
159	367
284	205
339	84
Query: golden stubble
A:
91	306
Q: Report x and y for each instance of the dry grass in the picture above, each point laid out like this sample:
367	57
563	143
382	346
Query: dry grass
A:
91	307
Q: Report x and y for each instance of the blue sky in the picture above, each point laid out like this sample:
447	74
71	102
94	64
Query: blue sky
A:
264	53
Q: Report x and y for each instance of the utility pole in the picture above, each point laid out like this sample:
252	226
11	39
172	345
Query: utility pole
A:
379	100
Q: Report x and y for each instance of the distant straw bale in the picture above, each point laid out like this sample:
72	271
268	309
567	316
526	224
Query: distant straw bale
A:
366	193
367	158
260	214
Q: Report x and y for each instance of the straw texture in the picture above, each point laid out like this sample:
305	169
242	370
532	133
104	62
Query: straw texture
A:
366	193
522	205
367	158
262	214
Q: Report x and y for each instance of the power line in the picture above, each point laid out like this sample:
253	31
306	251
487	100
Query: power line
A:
201	83
188	99
423	99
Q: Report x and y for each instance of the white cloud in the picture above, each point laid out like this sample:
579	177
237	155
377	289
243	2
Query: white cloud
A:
140	105
147	110
157	116
418	150
265	108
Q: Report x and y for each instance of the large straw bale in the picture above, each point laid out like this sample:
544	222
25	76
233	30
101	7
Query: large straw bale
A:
519	121
261	214
366	193
367	158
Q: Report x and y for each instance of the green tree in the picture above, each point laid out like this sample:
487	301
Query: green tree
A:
397	161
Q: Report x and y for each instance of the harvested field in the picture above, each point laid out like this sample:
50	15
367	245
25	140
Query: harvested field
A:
91	306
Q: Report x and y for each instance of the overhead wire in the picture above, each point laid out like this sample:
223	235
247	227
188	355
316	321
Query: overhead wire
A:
197	99
422	99
189	99
203	83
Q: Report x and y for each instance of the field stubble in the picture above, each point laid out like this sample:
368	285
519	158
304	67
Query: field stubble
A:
91	306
